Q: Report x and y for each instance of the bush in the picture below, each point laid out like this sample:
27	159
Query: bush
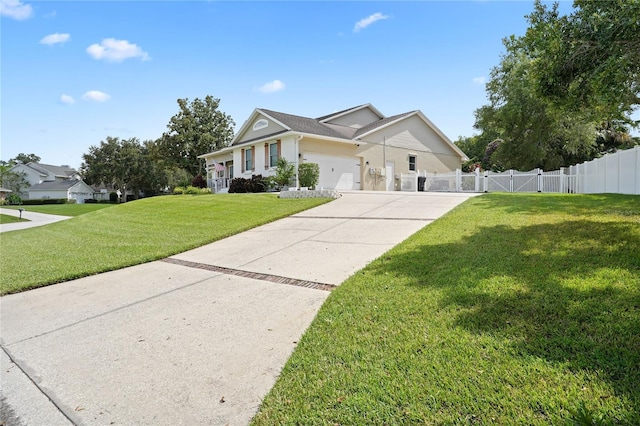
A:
36	202
199	182
113	197
309	174
285	172
190	190
14	199
257	183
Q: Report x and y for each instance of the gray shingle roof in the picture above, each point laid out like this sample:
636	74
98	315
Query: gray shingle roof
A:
380	123
56	170
324	117
303	124
54	185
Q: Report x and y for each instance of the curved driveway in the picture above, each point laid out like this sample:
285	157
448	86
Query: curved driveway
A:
198	338
34	219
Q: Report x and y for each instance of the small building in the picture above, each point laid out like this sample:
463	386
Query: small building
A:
47	181
357	148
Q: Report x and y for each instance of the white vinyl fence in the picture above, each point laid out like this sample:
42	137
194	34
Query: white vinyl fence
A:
614	173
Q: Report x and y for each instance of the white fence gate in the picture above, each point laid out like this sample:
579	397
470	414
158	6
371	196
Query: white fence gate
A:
614	173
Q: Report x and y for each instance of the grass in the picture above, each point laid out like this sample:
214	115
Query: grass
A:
4	218
132	233
62	209
511	309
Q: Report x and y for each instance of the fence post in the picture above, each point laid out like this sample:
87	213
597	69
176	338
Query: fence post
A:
485	181
540	184
477	187
510	180
561	180
458	180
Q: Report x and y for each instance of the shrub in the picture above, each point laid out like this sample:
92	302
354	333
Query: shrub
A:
190	190
36	202
199	182
257	183
113	197
14	199
309	174
285	172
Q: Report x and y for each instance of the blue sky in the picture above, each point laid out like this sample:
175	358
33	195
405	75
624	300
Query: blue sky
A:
75	72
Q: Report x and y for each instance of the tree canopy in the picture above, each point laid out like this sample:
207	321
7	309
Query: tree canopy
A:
199	127
564	92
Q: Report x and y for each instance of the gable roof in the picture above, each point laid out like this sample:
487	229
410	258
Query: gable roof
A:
54	185
320	126
46	169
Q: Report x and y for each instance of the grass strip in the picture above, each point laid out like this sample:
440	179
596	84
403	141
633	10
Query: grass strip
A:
132	233
62	209
511	309
5	218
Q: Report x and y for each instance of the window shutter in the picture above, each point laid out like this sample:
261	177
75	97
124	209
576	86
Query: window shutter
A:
242	161
279	149
253	158
266	156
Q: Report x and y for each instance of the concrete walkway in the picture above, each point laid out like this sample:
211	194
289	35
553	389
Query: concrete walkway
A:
198	338
35	219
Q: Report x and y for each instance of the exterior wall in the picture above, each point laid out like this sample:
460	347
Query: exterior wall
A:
270	129
287	150
356	119
48	194
32	176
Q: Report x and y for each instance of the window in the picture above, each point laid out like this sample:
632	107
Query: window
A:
273	154
248	159
412	163
260	124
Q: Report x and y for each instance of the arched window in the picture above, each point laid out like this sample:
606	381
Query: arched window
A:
260	124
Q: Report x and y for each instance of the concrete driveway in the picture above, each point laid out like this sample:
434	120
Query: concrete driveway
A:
35	219
198	338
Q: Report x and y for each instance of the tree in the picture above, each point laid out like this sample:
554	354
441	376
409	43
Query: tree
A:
198	128
12	180
24	159
546	104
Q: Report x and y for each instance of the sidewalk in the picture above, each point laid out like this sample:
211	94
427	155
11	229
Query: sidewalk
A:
198	338
35	219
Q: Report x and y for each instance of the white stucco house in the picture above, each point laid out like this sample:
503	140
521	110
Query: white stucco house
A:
357	148
47	181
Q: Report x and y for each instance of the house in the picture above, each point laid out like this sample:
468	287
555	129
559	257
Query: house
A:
4	193
47	181
70	189
357	148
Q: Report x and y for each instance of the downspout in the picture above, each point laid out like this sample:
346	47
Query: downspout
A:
297	156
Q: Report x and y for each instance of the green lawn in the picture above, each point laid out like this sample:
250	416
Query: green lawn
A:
62	209
511	309
132	233
5	218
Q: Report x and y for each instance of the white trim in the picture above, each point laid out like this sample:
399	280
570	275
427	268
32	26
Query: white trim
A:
349	111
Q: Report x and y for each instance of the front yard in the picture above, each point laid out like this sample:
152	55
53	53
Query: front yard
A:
511	309
129	234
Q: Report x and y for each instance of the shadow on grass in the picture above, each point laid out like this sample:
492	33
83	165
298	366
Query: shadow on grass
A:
566	292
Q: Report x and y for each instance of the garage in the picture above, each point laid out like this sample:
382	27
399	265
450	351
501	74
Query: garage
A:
336	172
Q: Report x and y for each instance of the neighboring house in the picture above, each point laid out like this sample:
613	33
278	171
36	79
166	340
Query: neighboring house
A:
358	148
70	189
49	181
4	192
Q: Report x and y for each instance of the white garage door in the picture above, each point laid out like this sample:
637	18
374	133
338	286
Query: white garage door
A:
336	172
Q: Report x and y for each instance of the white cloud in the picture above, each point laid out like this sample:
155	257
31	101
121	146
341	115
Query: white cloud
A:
66	99
55	38
95	96
113	50
364	23
272	87
15	9
479	80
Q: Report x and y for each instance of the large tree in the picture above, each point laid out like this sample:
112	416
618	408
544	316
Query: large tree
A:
123	165
9	179
546	105
199	127
24	158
